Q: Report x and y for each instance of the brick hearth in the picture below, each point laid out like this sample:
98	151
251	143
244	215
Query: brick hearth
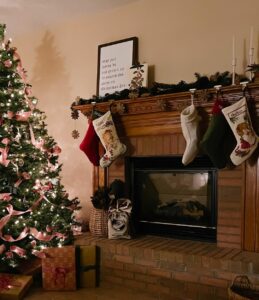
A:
164	266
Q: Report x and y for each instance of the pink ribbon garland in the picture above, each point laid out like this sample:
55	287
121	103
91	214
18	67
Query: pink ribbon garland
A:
4	153
10	239
38	235
5	196
23	116
2	248
36	144
39	254
22	74
11	212
19	251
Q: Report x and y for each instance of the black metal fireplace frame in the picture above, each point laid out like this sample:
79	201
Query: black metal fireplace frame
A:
201	163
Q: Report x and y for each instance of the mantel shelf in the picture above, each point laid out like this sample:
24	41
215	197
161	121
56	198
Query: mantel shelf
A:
171	102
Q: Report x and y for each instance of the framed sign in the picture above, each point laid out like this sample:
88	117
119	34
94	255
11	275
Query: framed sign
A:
114	61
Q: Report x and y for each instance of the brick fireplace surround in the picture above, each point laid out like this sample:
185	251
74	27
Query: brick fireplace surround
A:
169	267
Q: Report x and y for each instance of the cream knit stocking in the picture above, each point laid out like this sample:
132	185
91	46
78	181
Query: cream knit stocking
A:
189	123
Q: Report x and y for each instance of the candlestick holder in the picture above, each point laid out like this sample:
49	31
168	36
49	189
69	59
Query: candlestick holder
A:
192	91
251	58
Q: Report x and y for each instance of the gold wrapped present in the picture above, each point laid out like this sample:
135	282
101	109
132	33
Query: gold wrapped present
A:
86	266
13	286
58	269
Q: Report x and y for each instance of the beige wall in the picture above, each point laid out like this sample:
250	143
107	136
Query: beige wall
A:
176	37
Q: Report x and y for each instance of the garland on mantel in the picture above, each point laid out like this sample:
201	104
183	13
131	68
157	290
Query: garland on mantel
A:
202	82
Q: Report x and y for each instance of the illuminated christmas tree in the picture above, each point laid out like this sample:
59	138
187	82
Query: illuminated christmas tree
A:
35	211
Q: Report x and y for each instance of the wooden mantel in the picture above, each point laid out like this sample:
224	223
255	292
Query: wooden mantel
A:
171	102
151	126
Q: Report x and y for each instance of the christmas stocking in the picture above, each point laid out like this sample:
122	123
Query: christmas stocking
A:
237	116
218	141
189	124
90	145
106	131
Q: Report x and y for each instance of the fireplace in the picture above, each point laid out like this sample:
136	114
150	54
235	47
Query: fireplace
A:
171	199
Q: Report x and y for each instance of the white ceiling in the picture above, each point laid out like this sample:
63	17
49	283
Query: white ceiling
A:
21	16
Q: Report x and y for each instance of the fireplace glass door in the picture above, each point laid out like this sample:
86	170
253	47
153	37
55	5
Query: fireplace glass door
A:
171	199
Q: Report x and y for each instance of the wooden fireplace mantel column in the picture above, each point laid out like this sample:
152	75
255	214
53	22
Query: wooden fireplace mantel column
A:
151	124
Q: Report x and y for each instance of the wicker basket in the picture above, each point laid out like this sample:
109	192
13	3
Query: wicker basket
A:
98	222
242	289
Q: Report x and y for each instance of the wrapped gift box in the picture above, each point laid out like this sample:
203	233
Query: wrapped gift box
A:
14	287
87	266
58	269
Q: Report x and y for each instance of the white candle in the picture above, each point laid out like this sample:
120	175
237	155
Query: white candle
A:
233	50
251	37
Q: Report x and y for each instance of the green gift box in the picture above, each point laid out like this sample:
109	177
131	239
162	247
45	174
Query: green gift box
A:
87	267
13	286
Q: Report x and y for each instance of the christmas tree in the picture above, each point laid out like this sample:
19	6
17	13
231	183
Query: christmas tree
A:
35	211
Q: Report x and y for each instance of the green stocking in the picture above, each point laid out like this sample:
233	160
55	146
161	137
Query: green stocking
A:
218	141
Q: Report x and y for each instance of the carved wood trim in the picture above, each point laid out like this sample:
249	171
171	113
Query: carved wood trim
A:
171	102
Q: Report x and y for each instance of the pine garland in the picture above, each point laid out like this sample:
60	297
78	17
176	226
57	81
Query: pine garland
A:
202	82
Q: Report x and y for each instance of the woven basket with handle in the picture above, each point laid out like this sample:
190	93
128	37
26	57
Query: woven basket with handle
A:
242	289
98	222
